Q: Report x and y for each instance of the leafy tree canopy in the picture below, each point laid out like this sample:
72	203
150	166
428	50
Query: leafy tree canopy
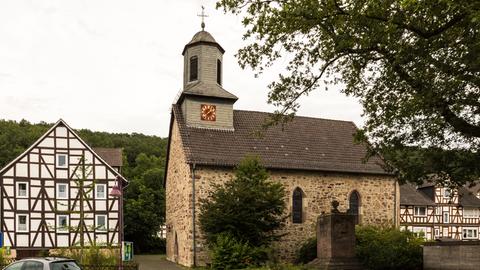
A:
248	207
414	65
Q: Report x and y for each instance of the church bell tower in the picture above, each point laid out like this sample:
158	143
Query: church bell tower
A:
204	102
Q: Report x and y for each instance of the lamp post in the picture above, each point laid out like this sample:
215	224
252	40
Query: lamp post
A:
117	192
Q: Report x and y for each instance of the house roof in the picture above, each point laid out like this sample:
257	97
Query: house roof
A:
409	195
467	198
112	156
60	122
305	143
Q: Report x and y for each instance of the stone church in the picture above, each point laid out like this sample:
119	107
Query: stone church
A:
315	159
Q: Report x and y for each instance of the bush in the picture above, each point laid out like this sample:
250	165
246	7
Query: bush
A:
249	207
388	248
93	255
230	253
307	252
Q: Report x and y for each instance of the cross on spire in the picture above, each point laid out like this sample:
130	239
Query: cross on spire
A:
203	15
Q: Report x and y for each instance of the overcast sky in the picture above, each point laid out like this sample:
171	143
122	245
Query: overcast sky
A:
116	65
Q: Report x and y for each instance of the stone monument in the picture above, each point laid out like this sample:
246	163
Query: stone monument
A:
336	241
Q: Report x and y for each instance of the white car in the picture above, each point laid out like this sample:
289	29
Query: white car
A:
47	263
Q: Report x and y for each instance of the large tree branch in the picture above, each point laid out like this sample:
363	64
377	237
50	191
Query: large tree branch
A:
457	123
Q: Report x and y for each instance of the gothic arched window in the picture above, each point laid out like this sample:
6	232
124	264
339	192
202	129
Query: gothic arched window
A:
297	205
219	72
354	203
193	69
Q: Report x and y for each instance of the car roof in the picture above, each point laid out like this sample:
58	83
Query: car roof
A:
47	259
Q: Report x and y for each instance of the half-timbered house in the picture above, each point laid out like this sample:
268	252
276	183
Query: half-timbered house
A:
440	212
56	194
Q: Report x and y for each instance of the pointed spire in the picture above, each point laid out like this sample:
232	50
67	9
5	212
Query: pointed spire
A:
203	15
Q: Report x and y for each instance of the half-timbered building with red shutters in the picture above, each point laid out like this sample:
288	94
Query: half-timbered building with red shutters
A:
440	212
57	194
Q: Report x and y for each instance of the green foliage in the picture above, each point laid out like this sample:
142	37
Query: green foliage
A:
93	255
307	252
144	163
388	248
229	253
412	64
249	207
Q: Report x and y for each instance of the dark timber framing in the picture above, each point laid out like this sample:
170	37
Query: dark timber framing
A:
37	167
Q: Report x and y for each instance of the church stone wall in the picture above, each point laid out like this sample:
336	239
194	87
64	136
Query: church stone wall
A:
377	201
179	201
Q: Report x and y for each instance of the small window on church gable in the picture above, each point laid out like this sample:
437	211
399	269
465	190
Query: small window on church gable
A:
297	205
219	72
193	68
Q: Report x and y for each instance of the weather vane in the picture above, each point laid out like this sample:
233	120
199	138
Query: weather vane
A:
203	15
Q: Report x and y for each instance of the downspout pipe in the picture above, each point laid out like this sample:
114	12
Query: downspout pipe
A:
397	225
194	244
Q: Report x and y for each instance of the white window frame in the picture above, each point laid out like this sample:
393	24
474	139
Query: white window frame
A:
104	191
27	227
420	232
417	214
438	210
97	225
63	229
437	232
473	230
445	196
476	213
66	160
58	190
446	220
18	190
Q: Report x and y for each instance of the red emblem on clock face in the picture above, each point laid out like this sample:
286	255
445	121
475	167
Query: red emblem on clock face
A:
208	112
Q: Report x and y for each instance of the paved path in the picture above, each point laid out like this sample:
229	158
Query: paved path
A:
155	262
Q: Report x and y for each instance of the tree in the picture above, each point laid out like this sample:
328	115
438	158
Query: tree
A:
414	65
248	207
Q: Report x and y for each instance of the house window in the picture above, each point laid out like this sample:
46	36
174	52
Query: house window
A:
471	212
22	223
419	232
438	210
470	233
354	205
446	193
62	191
101	223
297	205
100	191
420	211
219	71
62	223
193	68
437	232
62	161
22	189
446	217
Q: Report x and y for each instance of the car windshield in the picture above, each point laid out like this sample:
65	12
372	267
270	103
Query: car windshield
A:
64	265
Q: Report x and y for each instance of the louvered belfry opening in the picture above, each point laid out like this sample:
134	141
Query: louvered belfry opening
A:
193	68
354	205
297	205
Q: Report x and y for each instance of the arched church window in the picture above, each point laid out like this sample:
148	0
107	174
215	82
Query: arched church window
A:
297	205
193	68
354	205
219	71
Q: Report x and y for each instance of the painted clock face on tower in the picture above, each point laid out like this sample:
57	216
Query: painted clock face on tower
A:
208	112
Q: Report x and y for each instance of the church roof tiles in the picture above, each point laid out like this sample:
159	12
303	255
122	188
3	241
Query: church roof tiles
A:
305	143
